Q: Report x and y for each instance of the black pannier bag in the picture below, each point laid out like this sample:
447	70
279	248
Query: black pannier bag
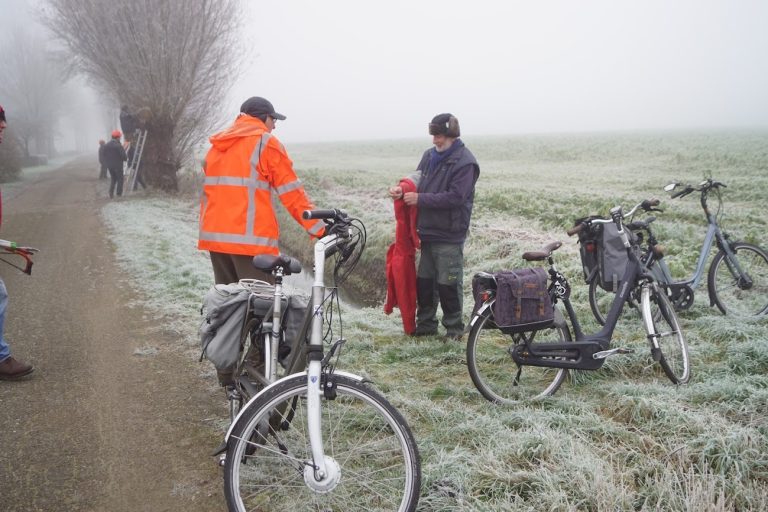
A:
522	299
481	282
589	239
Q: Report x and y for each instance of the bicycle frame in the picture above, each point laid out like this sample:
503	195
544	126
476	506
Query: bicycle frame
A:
589	351
315	354
714	234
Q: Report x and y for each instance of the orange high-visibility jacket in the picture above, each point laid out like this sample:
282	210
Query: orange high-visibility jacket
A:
243	167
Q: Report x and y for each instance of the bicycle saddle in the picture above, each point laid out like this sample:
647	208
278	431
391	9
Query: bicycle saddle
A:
269	262
542	253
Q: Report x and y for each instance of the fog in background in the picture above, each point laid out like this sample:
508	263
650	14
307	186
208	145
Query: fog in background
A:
350	70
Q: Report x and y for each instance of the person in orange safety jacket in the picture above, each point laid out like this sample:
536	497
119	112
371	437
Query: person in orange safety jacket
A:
401	262
244	167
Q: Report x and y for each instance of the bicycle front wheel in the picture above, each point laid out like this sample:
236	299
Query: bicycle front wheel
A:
269	458
662	325
730	292
496	375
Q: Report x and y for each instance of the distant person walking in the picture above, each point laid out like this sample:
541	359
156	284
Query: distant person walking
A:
10	367
102	164
244	166
114	156
445	189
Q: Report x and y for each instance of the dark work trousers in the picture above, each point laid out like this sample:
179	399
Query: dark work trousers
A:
103	172
139	181
440	278
116	173
230	268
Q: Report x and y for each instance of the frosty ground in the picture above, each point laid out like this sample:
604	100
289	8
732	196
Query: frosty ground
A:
622	438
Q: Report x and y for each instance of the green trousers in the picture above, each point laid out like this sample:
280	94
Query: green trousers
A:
439	279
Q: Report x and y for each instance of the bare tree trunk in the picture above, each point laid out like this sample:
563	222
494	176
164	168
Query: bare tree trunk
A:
170	60
158	165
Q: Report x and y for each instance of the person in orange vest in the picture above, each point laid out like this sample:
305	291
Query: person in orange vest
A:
244	167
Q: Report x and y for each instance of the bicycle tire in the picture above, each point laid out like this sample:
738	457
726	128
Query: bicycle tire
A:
724	289
362	432
672	348
600	302
497	377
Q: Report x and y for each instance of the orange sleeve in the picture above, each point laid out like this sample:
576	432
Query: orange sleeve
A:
289	188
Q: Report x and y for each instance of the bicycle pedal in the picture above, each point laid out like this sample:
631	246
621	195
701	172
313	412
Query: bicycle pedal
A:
612	352
656	354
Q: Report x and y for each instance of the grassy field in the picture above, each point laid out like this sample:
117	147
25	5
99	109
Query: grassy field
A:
622	438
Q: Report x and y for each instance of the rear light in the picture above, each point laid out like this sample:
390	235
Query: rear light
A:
590	246
486	295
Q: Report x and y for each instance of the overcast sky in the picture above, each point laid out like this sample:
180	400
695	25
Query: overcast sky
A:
351	69
359	69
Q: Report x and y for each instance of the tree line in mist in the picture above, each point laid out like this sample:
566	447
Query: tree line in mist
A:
172	60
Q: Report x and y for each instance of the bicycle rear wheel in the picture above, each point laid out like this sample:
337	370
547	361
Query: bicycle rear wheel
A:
268	452
664	327
730	293
496	375
599	301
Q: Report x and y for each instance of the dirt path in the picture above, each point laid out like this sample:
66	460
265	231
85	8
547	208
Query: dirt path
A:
98	426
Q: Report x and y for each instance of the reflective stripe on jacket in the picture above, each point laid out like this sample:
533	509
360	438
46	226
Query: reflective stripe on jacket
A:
243	167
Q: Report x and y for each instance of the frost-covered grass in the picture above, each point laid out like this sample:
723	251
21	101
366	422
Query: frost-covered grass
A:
622	438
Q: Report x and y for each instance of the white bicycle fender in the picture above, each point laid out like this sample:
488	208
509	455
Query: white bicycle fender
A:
480	312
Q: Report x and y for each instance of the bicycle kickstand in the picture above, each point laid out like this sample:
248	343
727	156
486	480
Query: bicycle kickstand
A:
612	352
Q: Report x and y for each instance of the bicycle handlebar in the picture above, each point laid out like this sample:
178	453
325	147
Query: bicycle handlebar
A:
703	187
575	229
616	216
647	205
332	214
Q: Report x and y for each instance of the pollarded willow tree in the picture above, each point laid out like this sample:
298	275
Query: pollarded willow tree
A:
171	60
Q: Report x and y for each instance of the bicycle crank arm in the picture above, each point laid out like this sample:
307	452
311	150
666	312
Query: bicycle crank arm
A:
612	352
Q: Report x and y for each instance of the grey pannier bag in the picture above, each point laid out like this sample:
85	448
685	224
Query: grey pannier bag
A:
603	255
223	310
612	257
